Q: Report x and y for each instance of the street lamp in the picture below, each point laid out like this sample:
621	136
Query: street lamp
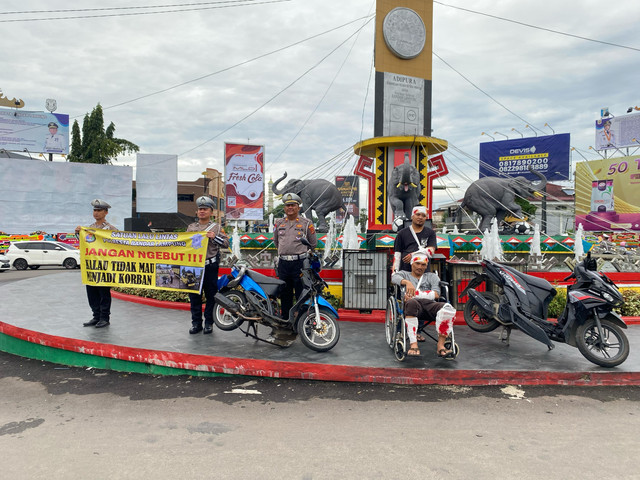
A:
530	127
514	130
498	133
547	125
484	133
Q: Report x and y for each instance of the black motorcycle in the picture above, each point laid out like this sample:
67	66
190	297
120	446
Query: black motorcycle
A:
588	321
246	295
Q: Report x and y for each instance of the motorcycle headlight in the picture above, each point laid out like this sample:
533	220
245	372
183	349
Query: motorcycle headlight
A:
608	297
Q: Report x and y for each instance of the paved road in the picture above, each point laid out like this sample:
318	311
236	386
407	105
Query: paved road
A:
59	423
13	275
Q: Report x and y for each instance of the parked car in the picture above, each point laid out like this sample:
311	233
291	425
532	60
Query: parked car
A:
5	263
34	254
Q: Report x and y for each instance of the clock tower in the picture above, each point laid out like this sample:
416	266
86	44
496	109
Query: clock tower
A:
403	67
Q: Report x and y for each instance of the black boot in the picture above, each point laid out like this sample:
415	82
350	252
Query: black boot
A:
195	328
91	322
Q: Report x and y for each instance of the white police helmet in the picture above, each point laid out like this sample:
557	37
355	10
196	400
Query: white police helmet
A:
204	202
98	204
291	198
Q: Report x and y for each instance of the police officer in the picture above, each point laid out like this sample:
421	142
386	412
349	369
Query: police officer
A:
54	142
287	235
217	239
99	297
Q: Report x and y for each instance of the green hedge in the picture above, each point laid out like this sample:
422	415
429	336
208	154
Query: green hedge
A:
169	296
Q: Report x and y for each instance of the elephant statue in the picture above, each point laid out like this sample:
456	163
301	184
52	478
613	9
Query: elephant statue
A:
495	197
316	194
403	188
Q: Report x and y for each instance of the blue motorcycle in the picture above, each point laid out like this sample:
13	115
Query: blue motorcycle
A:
248	296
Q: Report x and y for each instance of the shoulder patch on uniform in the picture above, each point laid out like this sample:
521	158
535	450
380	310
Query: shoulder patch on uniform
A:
312	229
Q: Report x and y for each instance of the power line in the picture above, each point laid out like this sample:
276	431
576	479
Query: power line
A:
558	32
77	17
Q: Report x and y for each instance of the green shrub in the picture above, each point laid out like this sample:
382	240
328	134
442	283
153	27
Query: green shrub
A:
556	307
164	295
631	307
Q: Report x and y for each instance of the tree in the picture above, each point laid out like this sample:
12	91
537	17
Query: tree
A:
97	145
75	153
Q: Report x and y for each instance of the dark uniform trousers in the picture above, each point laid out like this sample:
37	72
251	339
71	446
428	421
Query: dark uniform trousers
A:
209	288
99	301
423	309
290	272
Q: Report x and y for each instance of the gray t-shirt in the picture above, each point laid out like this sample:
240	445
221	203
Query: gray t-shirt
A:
429	281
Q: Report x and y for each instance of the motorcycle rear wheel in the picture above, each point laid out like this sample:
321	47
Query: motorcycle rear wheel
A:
474	317
320	334
223	318
608	350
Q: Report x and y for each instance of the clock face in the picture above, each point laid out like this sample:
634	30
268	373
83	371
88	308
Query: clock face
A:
404	32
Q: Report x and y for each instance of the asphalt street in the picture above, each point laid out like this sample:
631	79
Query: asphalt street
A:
64	422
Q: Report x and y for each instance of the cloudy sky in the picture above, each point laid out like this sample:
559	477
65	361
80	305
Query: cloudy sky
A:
296	75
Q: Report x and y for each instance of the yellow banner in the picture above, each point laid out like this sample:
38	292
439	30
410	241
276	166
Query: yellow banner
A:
162	261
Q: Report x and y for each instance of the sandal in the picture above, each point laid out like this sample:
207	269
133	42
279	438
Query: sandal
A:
421	338
413	352
446	354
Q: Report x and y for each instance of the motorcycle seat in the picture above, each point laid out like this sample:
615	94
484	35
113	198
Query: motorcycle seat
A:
540	283
270	285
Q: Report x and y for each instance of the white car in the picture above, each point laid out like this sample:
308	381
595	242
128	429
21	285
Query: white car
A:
33	254
5	263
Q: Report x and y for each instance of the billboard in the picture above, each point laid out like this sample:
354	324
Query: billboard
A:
608	194
618	132
244	181
348	187
548	155
34	132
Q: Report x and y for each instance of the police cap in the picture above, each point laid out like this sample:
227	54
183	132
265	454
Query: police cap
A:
98	204
204	202
289	198
53	125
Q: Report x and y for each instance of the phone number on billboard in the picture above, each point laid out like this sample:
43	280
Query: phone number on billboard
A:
523	165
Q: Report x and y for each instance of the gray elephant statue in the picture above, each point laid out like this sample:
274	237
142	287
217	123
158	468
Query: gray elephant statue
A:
495	197
403	189
317	194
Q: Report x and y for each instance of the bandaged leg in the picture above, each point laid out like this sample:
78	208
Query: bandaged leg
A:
444	320
412	328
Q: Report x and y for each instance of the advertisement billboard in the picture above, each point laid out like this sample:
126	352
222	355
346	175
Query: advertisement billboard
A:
244	181
34	132
608	194
618	132
348	187
548	155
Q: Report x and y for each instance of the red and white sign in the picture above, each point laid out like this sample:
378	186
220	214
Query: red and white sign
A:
244	181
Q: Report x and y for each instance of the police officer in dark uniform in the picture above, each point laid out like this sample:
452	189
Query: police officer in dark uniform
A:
217	239
287	235
99	296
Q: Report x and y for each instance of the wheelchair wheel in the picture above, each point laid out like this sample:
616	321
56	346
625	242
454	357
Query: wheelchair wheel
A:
400	347
390	321
454	347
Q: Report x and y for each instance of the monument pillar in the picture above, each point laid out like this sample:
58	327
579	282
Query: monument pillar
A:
402	118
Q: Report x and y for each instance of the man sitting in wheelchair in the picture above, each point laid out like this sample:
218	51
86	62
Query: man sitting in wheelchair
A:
421	295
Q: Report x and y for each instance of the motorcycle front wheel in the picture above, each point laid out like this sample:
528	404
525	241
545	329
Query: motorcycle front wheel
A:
223	318
607	350
319	334
476	319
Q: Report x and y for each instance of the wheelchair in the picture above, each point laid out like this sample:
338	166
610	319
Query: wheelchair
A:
396	329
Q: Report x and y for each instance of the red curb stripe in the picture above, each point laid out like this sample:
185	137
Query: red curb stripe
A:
312	371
